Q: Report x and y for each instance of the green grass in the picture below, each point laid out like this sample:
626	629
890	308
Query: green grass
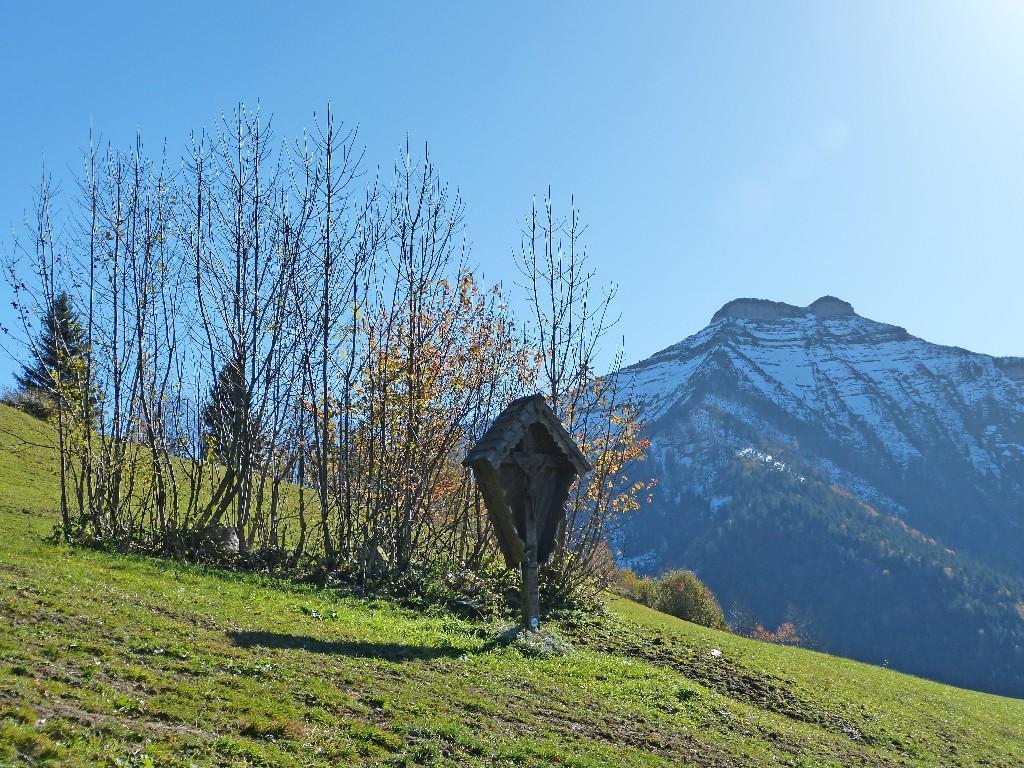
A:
127	661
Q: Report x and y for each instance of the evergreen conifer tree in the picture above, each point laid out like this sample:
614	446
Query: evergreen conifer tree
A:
227	418
58	365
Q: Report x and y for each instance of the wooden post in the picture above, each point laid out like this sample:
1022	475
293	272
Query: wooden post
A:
531	588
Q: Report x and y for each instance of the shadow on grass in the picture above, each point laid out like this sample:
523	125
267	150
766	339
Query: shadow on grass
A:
356	649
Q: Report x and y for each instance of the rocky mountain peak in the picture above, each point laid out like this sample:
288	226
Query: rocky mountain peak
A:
830	306
764	309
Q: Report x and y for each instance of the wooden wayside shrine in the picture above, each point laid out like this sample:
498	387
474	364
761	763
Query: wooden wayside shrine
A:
524	465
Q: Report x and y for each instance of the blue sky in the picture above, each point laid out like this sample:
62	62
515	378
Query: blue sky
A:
783	150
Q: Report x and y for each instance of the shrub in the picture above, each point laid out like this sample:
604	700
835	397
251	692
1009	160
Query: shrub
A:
642	589
786	634
679	593
683	595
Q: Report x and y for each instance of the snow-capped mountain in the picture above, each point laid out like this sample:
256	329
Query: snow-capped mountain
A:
812	462
932	434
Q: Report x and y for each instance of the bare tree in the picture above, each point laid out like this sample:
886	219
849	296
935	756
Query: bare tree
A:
569	323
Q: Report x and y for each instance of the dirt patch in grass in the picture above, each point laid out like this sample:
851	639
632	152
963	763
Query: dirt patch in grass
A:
146	727
717	672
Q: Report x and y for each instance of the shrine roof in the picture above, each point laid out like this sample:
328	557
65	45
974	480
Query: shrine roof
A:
510	426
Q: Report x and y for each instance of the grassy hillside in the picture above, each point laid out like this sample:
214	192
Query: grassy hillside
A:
124	661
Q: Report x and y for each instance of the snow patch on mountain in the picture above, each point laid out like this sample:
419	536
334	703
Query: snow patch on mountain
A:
768	460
